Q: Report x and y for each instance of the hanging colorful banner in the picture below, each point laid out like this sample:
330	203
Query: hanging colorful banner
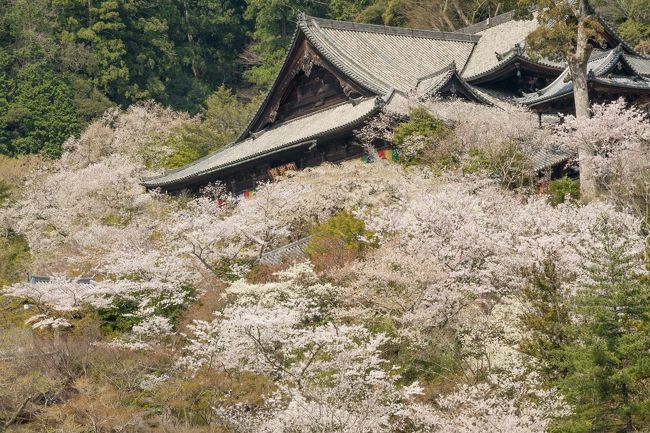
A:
389	154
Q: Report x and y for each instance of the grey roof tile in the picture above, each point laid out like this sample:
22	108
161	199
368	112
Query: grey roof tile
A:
274	139
293	252
600	64
497	40
383	58
430	85
547	158
640	64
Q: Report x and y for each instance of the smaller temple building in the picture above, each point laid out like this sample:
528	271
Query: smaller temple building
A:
337	75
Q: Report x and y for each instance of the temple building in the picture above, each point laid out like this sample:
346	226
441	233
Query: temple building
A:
337	75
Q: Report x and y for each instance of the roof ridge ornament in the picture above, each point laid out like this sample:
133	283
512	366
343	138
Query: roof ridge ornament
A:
519	49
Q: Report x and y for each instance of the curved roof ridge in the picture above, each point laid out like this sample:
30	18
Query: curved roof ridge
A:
392	30
608	62
512	56
634	62
617	36
448	68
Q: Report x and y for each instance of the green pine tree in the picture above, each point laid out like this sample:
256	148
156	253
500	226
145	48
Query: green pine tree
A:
608	358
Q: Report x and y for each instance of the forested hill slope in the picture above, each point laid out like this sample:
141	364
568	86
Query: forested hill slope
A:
64	62
444	292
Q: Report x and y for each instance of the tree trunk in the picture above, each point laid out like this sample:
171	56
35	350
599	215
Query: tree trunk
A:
461	14
578	67
629	427
190	41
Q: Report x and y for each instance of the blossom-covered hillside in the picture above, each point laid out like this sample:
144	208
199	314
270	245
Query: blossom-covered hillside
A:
445	292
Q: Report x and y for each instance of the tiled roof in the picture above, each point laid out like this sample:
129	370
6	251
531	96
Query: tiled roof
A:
381	58
640	64
495	97
392	60
292	252
600	65
547	158
497	39
623	82
46	279
274	139
488	23
430	85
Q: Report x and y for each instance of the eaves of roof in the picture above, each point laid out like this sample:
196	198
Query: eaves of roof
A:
444	76
633	62
599	65
623	82
510	59
167	179
611	82
609	29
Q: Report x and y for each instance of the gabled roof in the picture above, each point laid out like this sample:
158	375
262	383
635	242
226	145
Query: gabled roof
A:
283	136
515	58
377	58
46	279
494	40
378	61
542	159
500	34
601	67
447	79
381	58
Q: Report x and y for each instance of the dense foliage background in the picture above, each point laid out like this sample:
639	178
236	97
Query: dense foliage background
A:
64	62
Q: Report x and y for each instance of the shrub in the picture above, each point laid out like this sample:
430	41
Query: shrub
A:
193	400
421	131
14	258
506	163
119	317
228	269
420	122
4	192
564	188
339	239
